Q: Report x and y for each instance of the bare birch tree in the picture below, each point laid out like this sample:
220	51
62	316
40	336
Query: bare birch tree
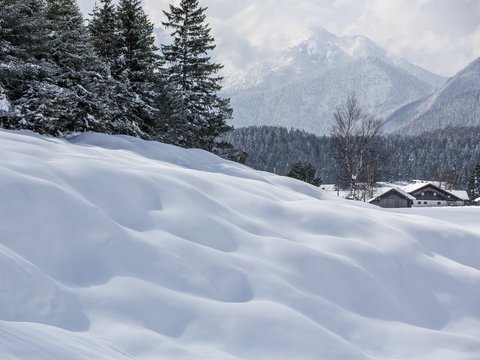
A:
354	133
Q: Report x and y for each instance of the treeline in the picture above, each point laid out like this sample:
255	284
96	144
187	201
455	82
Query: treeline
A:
443	155
60	75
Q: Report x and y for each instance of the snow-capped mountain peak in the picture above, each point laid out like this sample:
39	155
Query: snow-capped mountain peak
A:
301	86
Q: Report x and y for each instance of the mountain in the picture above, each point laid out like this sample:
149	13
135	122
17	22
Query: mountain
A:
114	248
456	103
301	86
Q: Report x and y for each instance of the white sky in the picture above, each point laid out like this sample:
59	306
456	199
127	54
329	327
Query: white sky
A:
443	36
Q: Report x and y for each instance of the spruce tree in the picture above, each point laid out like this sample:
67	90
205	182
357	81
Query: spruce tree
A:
104	27
104	30
81	93
200	114
25	66
138	68
304	171
473	186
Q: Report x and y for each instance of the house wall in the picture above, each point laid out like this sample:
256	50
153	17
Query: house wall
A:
392	200
432	197
430	203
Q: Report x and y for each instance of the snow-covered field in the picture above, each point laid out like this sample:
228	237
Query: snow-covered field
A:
116	248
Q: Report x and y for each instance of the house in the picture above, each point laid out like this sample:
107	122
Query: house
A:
393	198
430	195
477	201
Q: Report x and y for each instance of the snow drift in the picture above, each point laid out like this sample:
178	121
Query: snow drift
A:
117	248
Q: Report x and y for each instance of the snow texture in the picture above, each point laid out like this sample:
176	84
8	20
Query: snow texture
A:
117	248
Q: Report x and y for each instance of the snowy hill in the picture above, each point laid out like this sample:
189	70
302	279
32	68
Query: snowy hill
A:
457	103
301	86
117	248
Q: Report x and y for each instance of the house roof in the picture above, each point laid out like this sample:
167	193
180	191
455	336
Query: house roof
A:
417	186
395	189
477	200
461	194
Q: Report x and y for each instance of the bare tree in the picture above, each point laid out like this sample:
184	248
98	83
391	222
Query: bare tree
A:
354	133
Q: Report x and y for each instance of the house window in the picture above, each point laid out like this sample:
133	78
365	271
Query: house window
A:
419	203
425	203
439	203
434	194
423	194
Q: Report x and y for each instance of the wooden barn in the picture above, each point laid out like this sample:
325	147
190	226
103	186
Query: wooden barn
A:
393	198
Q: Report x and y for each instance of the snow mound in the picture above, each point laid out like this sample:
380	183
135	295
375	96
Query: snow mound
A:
117	248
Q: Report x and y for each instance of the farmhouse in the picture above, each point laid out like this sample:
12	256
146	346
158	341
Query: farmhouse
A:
430	195
393	198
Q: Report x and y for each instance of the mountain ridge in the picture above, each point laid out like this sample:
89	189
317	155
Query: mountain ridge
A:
456	103
325	58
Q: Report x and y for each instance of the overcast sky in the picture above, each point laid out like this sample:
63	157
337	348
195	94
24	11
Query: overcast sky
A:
442	36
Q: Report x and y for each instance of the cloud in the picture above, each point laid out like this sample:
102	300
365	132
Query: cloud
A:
441	35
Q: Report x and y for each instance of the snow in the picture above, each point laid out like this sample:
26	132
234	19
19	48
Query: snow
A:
5	105
117	248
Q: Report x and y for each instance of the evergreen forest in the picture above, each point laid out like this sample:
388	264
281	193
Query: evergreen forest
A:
60	74
442	155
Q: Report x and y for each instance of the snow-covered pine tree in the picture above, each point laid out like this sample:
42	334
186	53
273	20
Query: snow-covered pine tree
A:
104	27
200	114
473	186
23	53
80	79
104	30
139	68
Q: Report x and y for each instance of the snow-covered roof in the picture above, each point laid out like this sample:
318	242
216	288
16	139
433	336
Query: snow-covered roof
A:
417	186
462	194
396	189
477	199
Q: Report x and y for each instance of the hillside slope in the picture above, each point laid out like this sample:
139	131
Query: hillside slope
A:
309	103
117	248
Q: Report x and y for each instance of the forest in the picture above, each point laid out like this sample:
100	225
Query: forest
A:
60	74
449	154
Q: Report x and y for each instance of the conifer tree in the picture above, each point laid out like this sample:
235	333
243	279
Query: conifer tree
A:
80	76
473	187
104	27
304	171
200	114
104	30
138	67
25	68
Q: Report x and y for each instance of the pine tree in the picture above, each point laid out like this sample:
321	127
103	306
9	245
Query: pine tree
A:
138	68
80	76
104	30
104	27
200	114
23	54
473	187
304	172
